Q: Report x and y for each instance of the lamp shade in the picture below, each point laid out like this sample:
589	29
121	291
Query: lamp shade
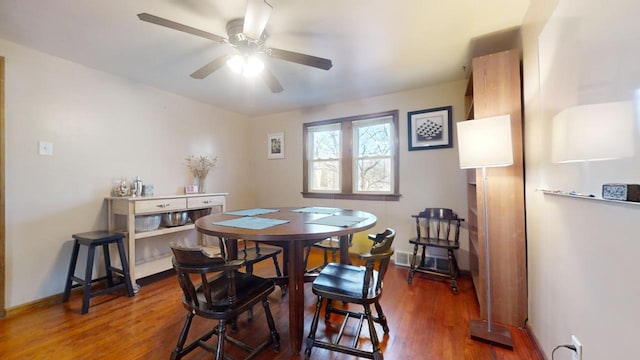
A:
593	132
485	142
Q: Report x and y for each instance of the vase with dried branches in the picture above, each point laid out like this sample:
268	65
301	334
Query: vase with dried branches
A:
200	167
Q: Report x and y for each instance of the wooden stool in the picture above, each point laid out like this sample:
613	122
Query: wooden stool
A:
93	239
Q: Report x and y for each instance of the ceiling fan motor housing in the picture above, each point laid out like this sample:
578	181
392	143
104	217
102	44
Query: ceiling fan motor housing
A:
238	39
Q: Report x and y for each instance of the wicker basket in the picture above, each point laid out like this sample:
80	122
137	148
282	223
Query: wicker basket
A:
147	222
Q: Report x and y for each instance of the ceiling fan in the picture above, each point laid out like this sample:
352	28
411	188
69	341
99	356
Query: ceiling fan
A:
248	36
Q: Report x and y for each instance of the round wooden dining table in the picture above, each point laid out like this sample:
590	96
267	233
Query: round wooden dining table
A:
293	236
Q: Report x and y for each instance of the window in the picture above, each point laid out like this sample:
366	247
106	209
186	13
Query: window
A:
352	158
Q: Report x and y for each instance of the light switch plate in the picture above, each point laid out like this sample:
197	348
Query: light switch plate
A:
45	148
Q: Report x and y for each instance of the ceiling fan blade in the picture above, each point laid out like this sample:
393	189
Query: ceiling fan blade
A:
206	70
256	17
271	81
317	62
180	27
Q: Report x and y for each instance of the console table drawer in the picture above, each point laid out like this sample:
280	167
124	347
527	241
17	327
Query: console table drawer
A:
160	205
204	201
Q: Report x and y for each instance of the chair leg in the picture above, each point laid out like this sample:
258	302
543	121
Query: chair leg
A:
88	274
249	268
275	336
283	288
307	253
325	257
277	266
382	318
71	272
107	264
328	309
312	332
177	352
222	328
333	254
453	271
125	269
412	269
377	353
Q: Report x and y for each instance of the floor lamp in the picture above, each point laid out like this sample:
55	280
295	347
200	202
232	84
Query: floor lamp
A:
484	143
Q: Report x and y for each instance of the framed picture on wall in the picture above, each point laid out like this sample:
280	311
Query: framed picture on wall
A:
275	146
430	129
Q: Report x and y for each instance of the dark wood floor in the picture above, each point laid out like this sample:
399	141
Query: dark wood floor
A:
426	322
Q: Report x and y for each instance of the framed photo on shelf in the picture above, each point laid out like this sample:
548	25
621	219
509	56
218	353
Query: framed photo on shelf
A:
430	129
191	189
275	146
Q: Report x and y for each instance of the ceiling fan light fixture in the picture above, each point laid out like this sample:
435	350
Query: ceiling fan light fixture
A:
247	66
256	17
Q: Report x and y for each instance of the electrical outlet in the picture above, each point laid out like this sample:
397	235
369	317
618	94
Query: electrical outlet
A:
577	355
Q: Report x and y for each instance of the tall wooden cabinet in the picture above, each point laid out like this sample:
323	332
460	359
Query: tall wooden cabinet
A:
495	89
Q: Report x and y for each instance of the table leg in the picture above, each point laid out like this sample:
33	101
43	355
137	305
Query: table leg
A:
232	248
344	250
296	294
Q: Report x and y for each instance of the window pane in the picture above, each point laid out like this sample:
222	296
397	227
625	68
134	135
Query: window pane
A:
372	166
325	176
374	140
373	175
326	145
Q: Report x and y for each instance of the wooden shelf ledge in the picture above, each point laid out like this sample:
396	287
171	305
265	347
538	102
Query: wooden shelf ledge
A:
574	195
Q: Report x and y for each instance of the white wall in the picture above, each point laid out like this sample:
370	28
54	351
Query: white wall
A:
428	178
581	253
102	127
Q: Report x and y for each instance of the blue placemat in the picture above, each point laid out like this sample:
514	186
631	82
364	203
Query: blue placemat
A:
337	220
253	223
317	210
252	212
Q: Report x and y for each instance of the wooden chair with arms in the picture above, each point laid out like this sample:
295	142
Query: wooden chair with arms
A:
254	252
328	245
223	294
356	285
436	228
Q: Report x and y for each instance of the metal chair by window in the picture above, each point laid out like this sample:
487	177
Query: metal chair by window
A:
356	285
223	294
436	228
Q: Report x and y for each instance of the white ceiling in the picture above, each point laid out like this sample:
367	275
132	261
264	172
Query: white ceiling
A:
377	46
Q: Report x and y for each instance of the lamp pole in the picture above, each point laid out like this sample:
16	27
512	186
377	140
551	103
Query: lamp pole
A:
487	262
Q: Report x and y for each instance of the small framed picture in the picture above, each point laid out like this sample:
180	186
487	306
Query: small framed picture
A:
430	129
275	146
191	189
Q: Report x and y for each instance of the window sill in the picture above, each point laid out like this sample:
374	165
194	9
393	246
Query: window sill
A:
372	197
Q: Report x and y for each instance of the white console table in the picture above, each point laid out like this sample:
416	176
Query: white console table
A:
122	212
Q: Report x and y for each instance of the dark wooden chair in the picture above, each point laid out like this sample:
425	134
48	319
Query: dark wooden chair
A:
436	228
254	252
329	245
222	294
356	285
